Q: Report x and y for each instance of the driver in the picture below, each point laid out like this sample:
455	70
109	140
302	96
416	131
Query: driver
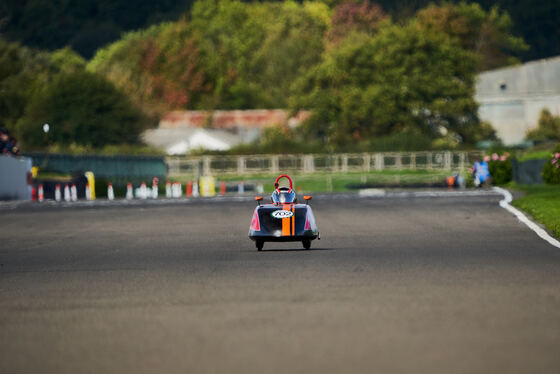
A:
283	195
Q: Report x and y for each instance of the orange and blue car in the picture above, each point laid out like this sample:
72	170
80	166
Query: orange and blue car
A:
283	219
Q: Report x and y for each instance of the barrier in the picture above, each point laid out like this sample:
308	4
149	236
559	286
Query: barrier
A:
15	178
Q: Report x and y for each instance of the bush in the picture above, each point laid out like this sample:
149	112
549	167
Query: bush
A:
551	169
500	167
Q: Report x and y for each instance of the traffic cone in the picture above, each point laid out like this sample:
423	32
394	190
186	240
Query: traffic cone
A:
34	193
189	189
143	191
67	193
260	188
57	195
195	189
222	188
88	192
110	192
41	193
179	189
129	194
241	187
74	192
168	193
155	191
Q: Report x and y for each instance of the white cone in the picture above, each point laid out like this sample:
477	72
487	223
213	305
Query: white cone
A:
74	192
154	191
88	192
143	191
168	193
195	189
57	195
129	195
67	193
41	193
110	192
241	187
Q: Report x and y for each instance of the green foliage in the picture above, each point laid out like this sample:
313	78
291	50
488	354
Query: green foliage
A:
405	78
401	142
500	169
548	128
158	68
486	33
81	108
551	168
87	25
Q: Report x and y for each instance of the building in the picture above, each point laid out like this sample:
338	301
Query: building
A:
179	132
512	98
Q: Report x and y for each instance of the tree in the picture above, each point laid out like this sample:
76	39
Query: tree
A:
403	79
158	68
353	17
487	33
81	108
548	128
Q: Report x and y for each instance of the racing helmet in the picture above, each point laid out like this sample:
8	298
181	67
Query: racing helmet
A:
283	195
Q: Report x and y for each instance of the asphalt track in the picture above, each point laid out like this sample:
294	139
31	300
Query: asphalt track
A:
396	285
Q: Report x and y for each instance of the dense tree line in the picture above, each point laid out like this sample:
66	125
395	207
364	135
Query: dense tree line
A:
365	75
87	25
82	108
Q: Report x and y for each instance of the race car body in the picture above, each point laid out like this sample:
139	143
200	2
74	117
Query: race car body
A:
283	220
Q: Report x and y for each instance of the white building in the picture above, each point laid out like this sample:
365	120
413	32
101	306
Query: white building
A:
512	98
178	141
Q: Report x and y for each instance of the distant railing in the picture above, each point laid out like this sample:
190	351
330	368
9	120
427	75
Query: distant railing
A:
320	163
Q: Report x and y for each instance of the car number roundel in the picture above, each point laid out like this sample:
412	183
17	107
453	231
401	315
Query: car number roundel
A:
282	214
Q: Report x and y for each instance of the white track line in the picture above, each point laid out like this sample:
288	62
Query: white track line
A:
523	218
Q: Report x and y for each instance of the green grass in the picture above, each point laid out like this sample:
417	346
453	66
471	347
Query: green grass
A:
309	183
535	155
543	203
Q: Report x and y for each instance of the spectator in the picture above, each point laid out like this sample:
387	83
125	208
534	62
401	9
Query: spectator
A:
481	173
8	144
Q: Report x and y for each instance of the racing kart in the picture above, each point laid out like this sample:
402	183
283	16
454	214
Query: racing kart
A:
283	219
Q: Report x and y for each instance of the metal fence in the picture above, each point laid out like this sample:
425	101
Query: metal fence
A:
320	163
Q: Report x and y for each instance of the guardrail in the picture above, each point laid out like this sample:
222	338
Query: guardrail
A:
320	163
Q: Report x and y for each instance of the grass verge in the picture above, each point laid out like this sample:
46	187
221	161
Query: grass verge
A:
542	202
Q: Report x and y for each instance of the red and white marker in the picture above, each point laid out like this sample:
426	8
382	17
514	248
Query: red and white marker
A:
67	193
195	189
129	193
41	193
57	194
155	191
110	192
88	192
222	188
143	191
189	189
74	192
168	193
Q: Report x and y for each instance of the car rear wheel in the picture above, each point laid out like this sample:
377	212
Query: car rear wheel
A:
259	244
306	244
